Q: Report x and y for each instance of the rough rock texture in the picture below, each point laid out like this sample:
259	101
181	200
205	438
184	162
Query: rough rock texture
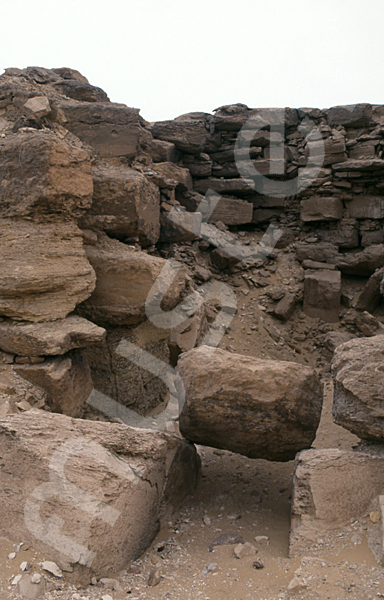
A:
322	293
125	204
362	263
187	335
44	272
321	209
332	487
121	379
43	176
370	296
124	278
67	382
189	135
103	510
53	338
260	408
112	130
358	372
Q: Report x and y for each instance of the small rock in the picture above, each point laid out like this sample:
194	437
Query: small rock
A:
207	520
107	597
51	567
295	585
246	549
209	567
30	590
154	577
12	555
36	578
16	579
258	564
225	539
24	566
261	538
374	516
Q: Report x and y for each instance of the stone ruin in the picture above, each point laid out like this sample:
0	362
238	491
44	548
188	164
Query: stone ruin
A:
122	245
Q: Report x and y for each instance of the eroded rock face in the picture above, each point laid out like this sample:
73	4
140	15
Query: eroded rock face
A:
67	382
44	272
43	176
260	408
125	204
358	374
125	277
110	485
322	293
331	488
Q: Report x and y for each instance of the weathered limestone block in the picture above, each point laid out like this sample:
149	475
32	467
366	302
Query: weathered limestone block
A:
223	260
370	296
189	135
331	487
368	324
354	115
321	209
332	148
260	408
67	382
161	151
237	187
363	150
319	252
53	338
38	106
81	91
199	166
366	207
357	368
43	176
125	204
178	225
232	211
125	277
44	272
89	495
362	263
113	130
171	171
370	164
322	294
371	238
121	379
344	235
285	307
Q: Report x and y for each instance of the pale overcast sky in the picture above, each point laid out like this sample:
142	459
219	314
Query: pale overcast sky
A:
169	57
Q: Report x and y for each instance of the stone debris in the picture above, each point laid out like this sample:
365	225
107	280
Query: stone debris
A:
51	567
246	549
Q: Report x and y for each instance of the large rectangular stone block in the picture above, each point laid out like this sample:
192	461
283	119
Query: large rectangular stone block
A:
322	293
321	209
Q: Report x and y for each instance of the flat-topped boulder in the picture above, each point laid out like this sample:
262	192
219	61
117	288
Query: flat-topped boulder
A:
260	408
50	338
